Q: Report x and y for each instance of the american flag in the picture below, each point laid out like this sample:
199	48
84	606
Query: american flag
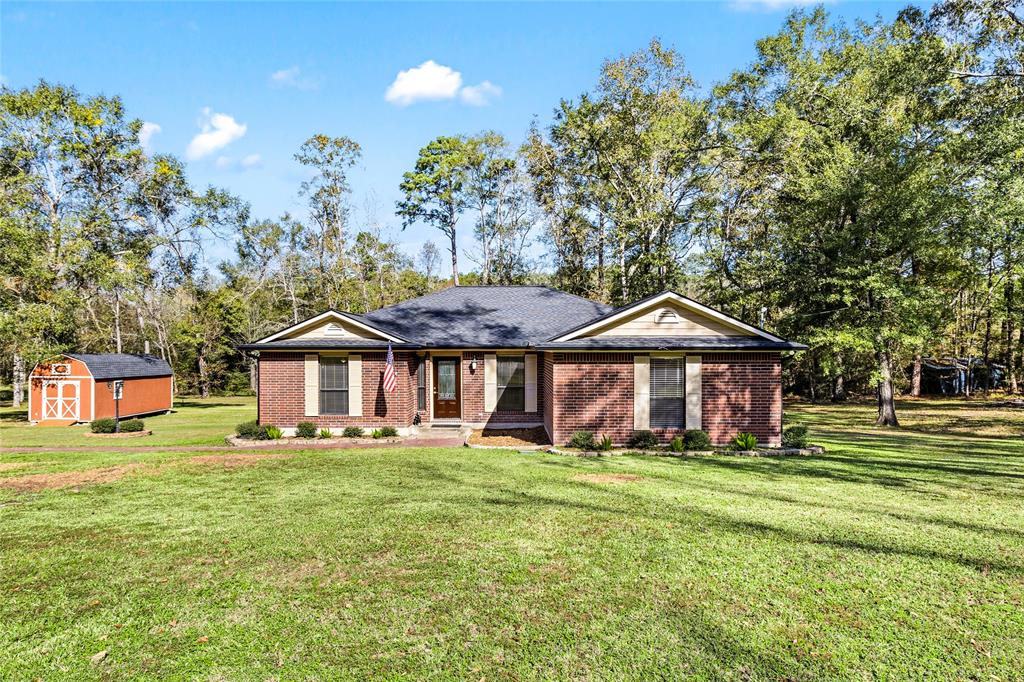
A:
389	371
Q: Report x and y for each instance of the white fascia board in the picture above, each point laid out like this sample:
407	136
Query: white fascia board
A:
331	314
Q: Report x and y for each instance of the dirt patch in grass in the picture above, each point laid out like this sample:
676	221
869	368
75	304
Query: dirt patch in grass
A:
510	437
607	478
67	479
11	466
233	461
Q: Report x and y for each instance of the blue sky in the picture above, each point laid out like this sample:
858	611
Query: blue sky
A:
236	88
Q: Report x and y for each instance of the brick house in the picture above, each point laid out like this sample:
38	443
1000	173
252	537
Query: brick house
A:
528	356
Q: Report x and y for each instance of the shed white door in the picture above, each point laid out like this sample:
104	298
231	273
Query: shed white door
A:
61	399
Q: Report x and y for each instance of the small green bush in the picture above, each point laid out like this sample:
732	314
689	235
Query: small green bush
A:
272	432
102	426
677	444
643	440
744	441
605	444
250	429
388	431
325	433
584	440
795	436
377	434
132	425
352	432
305	430
695	439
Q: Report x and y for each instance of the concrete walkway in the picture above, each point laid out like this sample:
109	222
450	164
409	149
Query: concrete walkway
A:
453	441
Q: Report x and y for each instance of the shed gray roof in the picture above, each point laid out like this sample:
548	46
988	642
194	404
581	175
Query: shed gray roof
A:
486	316
104	366
672	343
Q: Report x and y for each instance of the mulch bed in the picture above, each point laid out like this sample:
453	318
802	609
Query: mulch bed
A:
509	437
123	434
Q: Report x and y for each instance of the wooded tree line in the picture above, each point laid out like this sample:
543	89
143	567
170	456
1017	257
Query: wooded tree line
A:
857	188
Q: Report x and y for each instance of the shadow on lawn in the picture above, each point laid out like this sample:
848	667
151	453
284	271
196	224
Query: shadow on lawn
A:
19	416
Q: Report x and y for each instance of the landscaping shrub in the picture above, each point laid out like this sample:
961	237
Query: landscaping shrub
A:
605	444
584	440
795	436
388	431
250	429
132	425
272	432
677	444
695	439
744	441
352	432
305	430
325	433
377	434
102	426
644	440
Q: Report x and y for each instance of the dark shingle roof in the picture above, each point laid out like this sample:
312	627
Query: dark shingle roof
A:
105	366
672	343
486	316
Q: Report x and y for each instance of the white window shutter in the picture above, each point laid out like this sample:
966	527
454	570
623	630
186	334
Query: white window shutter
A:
530	363
641	392
355	385
693	391
312	384
490	382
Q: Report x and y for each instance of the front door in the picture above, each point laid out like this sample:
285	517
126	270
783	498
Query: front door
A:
447	387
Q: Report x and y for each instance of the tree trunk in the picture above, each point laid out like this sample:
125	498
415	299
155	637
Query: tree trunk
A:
253	385
915	378
18	380
117	321
204	373
455	258
886	395
839	381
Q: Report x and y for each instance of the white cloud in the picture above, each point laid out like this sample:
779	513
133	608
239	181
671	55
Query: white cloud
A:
293	78
223	162
428	81
252	161
480	95
147	132
218	131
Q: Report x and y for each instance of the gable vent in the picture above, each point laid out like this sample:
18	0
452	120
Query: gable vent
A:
667	317
334	330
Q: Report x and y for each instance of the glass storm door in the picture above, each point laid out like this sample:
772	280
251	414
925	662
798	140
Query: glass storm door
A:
446	388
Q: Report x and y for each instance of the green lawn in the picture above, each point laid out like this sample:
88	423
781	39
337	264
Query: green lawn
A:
896	555
194	421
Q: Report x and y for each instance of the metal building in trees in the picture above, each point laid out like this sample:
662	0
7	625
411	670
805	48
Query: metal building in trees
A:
79	387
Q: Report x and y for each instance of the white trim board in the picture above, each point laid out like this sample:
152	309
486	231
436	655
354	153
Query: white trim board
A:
685	302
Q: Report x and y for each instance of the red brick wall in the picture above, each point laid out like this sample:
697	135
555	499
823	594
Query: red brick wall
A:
473	396
742	392
594	392
282	394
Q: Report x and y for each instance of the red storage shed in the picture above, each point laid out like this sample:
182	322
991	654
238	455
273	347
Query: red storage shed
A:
79	387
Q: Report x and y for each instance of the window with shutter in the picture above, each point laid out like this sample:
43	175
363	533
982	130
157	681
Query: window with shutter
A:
668	393
511	384
333	385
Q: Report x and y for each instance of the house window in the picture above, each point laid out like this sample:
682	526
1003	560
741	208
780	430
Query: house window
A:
511	384
421	385
668	393
333	385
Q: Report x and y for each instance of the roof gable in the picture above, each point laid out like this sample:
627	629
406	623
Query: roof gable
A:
331	325
652	317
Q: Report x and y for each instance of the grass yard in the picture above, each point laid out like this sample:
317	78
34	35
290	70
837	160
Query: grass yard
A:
896	555
193	421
